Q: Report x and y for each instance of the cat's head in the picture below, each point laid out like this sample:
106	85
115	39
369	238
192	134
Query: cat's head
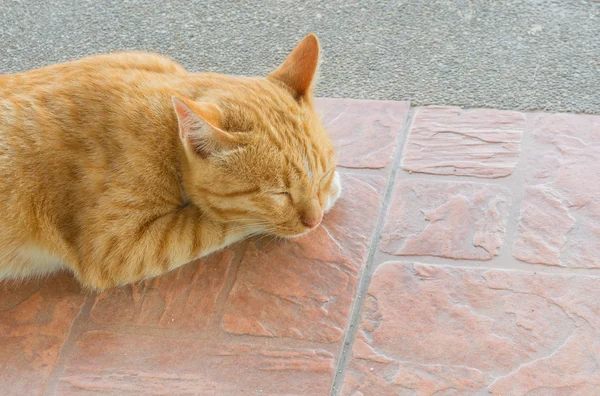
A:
257	153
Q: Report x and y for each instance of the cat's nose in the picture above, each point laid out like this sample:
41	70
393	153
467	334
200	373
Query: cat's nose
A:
312	222
312	214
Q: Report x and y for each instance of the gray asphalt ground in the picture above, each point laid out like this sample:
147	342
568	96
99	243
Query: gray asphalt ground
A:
535	54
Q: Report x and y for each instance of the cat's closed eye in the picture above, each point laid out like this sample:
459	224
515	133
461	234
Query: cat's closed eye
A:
282	196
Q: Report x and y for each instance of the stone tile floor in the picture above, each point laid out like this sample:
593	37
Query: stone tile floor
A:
463	258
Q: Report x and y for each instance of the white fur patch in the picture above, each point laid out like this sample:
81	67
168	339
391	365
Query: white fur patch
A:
29	261
336	191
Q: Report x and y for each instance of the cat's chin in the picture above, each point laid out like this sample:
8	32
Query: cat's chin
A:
336	191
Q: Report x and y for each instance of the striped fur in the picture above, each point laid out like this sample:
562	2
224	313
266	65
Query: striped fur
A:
124	166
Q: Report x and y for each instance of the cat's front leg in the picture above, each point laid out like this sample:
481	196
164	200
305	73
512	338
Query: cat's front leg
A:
154	247
234	232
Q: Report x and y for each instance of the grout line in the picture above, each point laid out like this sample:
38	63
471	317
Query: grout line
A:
474	266
505	264
367	272
67	347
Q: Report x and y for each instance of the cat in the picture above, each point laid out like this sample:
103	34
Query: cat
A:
121	167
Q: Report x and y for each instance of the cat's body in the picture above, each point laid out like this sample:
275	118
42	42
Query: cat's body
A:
125	166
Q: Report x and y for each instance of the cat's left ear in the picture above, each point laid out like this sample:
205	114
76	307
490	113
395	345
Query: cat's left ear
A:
299	69
200	127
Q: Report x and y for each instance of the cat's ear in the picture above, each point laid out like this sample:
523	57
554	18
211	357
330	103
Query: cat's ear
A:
200	127
300	67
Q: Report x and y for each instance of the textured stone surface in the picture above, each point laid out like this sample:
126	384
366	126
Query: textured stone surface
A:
543	227
129	364
560	217
364	131
182	299
273	321
35	319
453	141
447	219
428	329
304	288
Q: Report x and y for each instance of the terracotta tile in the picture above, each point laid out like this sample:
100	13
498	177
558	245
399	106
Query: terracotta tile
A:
448	219
182	299
453	141
304	288
129	364
428	329
365	132
560	216
35	319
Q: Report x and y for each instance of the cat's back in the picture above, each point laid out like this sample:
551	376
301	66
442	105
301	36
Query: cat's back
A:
85	95
109	66
70	92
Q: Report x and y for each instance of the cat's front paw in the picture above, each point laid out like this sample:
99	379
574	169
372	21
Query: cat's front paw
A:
334	194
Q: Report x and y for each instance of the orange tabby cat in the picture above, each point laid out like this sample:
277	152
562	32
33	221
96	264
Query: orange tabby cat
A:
122	167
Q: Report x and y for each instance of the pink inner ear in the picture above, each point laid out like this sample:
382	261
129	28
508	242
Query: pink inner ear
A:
186	118
181	109
197	127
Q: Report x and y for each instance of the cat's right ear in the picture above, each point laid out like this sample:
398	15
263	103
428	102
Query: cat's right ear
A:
299	69
200	127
